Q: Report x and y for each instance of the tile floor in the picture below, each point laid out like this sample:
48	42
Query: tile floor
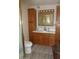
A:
40	52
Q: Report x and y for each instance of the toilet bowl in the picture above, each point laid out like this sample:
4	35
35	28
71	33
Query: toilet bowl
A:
28	46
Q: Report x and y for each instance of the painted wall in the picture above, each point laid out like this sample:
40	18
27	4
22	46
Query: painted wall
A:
23	17
25	20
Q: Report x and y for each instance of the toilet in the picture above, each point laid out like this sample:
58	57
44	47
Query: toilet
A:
28	46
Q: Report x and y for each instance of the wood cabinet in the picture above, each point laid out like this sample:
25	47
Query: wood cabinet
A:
31	22
43	39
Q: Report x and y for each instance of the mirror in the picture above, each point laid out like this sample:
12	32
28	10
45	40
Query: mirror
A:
46	17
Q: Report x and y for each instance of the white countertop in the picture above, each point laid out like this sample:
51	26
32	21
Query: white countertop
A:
44	32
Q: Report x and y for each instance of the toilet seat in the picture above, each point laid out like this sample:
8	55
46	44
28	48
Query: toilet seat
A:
28	43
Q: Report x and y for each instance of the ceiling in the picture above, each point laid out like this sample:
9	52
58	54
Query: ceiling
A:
41	2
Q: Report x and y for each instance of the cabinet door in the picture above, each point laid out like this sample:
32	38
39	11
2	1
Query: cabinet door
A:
45	39
51	41
32	19
36	38
32	15
31	27
31	22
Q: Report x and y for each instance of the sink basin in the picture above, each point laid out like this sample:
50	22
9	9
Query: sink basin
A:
43	31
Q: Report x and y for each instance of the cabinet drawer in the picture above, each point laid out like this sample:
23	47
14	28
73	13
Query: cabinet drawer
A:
51	41
45	40
36	38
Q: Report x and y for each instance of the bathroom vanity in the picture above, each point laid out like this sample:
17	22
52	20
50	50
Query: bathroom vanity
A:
43	38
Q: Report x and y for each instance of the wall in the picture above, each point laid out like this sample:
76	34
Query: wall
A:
25	19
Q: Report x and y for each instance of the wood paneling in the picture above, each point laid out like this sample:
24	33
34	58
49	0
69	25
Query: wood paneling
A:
58	24
56	47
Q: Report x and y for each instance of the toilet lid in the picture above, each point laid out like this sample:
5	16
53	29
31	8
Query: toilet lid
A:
28	44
